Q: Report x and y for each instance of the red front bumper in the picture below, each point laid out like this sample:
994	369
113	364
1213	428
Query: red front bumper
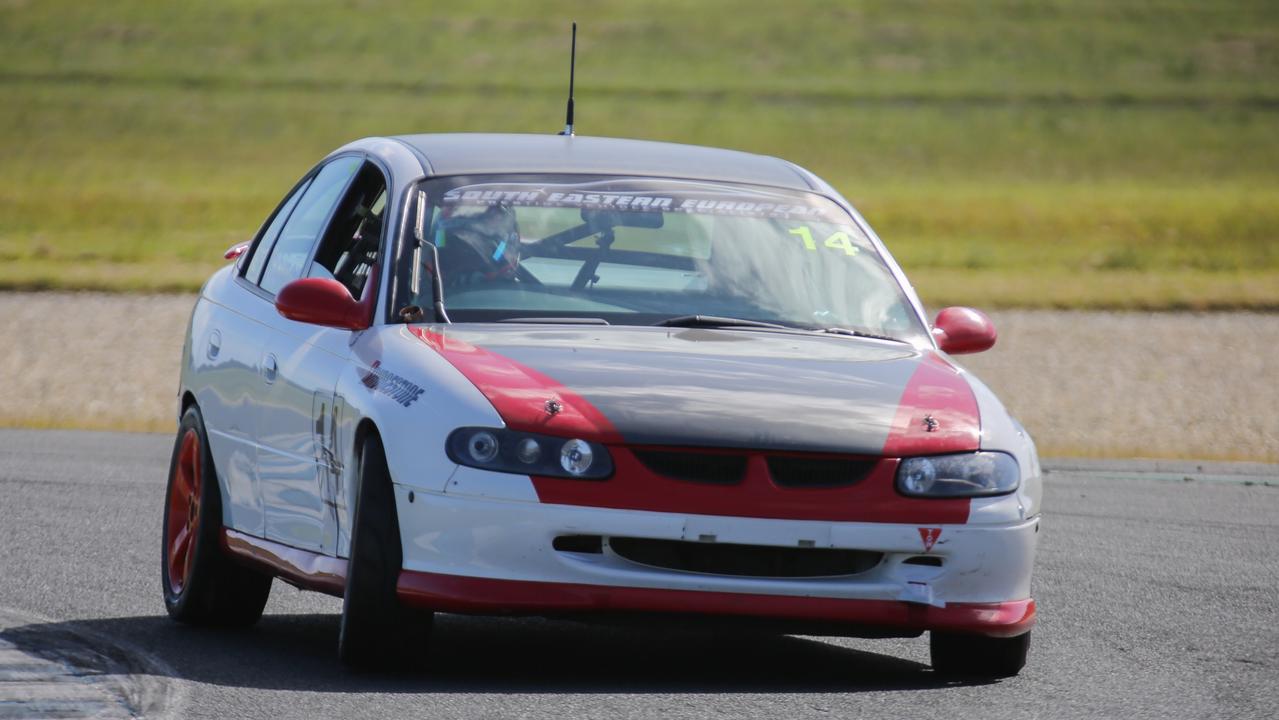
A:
485	596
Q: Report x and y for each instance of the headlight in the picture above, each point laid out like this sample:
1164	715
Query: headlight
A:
965	475
576	457
523	453
482	446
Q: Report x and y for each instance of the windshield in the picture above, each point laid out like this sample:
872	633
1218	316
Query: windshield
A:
641	251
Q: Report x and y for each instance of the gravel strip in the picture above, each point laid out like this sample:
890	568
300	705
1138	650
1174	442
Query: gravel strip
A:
1086	384
1169	385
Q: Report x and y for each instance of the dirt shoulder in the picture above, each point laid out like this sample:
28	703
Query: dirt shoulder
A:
1086	384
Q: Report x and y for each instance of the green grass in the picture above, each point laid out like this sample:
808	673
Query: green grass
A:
1074	154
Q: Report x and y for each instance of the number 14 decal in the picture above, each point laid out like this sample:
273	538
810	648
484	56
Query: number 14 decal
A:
837	241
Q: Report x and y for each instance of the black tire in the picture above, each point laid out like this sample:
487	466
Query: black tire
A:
376	631
976	656
202	586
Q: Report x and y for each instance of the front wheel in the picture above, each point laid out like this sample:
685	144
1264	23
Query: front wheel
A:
977	656
376	631
201	585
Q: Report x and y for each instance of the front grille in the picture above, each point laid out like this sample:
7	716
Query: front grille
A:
744	560
713	468
807	472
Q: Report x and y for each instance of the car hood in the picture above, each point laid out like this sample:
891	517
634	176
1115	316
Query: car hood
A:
731	388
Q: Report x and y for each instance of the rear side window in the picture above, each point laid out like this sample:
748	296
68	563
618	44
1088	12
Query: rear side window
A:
297	237
263	249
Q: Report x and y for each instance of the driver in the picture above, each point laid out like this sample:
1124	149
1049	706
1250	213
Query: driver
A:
478	244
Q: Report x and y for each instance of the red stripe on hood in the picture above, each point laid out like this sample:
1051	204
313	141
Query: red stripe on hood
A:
936	391
520	394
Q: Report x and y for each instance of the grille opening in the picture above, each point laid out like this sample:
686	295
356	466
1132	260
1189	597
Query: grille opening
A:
713	468
803	472
744	560
928	560
579	544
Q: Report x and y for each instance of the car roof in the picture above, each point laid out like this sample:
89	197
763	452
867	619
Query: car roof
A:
493	153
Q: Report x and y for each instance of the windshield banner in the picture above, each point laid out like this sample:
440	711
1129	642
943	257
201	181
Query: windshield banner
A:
700	200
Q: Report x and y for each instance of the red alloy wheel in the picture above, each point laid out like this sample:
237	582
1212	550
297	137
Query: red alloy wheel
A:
184	511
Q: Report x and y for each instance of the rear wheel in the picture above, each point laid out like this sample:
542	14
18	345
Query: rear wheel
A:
376	631
201	585
977	656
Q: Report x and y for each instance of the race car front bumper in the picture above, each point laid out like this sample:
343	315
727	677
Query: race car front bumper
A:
484	596
496	556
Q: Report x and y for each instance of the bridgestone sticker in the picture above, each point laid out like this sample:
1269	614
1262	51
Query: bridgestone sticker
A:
391	385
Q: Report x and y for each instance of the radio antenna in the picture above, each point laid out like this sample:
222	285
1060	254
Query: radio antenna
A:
572	69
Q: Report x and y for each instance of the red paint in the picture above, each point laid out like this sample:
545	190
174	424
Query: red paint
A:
485	596
935	390
929	536
303	568
325	301
235	251
964	330
634	487
519	393
183	520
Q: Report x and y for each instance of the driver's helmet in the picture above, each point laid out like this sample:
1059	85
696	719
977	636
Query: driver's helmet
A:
478	242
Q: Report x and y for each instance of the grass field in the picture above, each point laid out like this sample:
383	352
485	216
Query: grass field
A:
1079	153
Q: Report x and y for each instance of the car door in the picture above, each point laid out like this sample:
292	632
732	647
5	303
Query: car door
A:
226	350
298	420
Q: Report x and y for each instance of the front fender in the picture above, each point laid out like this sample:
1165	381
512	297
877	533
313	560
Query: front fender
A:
1000	431
414	398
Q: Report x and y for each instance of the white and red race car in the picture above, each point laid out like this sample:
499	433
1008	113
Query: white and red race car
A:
557	375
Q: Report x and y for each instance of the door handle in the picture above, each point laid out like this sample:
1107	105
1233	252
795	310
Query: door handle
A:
269	369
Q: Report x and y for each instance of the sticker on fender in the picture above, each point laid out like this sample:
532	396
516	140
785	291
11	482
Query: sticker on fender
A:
399	389
929	536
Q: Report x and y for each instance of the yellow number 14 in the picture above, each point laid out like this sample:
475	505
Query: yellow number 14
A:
837	241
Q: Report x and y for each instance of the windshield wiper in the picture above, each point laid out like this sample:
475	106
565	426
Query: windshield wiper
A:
556	320
858	333
712	321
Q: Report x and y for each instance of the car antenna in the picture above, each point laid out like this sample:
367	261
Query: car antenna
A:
572	67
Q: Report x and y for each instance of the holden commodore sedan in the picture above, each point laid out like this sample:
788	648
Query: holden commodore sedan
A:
574	376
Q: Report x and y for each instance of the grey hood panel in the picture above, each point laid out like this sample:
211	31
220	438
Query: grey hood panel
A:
718	388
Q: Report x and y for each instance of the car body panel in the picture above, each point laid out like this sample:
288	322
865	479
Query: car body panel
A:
486	154
718	388
226	383
481	537
295	411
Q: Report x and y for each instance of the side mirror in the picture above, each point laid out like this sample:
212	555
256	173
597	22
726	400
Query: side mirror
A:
236	250
324	301
959	330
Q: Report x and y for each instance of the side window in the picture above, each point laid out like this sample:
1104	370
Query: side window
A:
349	248
263	249
298	235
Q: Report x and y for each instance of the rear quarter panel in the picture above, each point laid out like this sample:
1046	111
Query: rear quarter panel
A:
220	369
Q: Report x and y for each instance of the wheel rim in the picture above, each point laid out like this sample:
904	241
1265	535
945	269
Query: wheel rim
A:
184	512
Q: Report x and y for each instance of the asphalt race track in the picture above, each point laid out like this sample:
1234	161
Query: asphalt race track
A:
1158	595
